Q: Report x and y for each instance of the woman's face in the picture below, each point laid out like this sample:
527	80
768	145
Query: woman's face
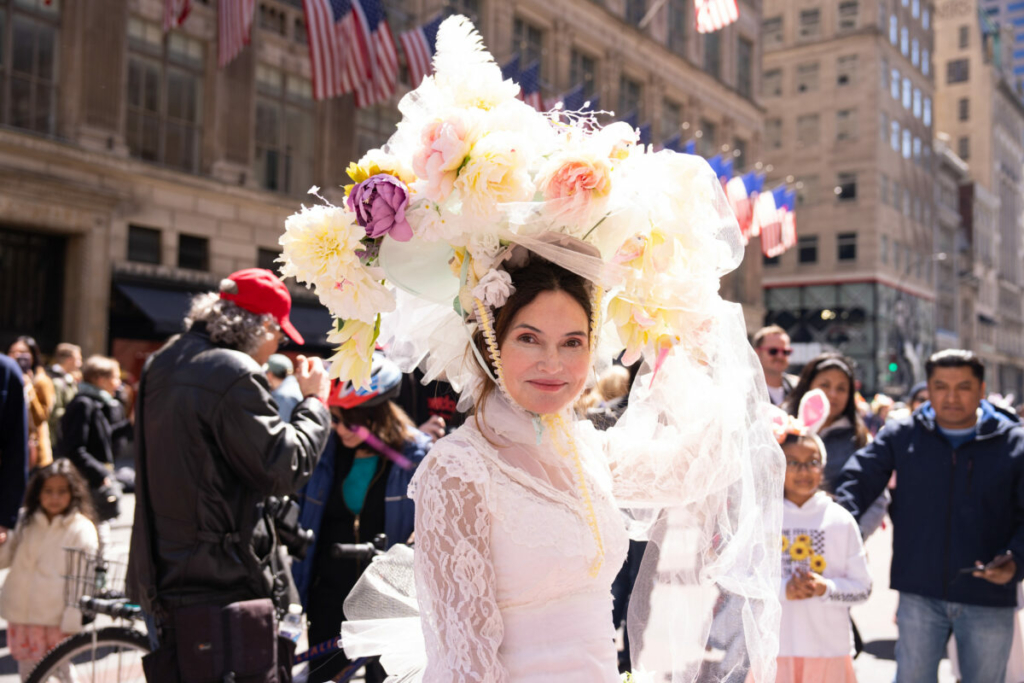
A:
836	386
349	438
546	353
20	352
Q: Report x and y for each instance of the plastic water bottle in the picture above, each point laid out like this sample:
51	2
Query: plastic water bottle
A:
291	625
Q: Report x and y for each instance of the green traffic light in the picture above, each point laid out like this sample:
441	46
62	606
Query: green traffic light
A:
893	367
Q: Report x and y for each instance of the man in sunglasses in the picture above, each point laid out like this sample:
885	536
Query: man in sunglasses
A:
773	350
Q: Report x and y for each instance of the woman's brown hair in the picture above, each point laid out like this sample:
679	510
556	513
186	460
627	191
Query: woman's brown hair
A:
823	362
81	500
530	281
387	421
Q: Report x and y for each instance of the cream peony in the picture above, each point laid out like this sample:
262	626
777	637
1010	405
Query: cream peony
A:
358	295
320	243
576	188
444	147
353	357
496	173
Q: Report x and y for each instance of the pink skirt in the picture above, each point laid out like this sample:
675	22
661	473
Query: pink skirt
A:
814	670
30	643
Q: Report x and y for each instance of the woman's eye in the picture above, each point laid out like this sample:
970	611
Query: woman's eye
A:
527	338
574	343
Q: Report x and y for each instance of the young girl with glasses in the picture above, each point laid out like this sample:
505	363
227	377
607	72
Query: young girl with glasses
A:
824	568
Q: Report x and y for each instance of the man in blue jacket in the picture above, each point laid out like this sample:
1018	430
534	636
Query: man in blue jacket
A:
958	521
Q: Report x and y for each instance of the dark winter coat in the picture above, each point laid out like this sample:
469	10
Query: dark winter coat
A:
13	441
951	507
87	436
211	445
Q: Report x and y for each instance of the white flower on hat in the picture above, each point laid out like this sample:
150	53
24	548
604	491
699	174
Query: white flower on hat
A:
357	296
494	288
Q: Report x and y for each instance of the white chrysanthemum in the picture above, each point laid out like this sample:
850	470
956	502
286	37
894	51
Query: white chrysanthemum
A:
496	173
320	243
359	295
430	223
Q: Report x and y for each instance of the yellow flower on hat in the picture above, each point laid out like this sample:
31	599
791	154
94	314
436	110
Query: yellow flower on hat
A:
374	163
353	357
800	551
818	564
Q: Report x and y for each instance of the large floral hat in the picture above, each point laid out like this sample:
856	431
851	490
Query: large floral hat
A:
416	256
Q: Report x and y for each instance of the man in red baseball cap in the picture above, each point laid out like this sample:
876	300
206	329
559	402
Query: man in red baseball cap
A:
211	447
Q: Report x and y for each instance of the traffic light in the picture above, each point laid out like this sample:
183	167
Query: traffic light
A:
893	366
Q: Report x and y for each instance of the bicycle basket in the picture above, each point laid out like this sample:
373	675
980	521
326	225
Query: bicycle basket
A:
90	574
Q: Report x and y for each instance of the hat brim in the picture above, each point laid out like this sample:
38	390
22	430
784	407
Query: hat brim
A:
289	329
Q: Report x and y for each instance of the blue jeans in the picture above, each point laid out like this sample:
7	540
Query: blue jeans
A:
983	639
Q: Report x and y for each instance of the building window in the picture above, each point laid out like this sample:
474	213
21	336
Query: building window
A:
926	62
917	150
808	130
739	154
678	18
894	30
846	243
671	119
807	249
771	260
707	146
894	88
713	53
630	97
915	8
807	77
773	133
144	245
883	127
807	190
583	69
284	131
885	74
846	70
772	83
164	104
926	115
964	33
963	148
915	52
957	70
193	252
906	202
926	19
266	258
884	252
635	11
528	41
894	138
846	125
963	109
883	189
847	15
846	190
897	194
744	59
810	23
272	19
469	8
905	41
28	64
299	32
907	93
917	103
906	143
771	30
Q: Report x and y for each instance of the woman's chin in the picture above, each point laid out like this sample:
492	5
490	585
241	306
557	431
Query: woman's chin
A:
542	403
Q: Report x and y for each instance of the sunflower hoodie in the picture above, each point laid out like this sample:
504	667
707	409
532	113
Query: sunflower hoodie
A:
821	536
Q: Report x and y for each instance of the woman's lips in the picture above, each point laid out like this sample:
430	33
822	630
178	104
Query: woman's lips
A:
547	385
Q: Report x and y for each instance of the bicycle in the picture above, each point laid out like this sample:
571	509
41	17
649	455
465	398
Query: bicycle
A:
114	653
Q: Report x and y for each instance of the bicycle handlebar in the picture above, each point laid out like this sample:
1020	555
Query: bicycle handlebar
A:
354	551
116	608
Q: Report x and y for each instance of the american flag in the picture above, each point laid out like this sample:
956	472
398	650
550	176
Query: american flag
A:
332	45
382	80
529	84
736	193
674	143
715	14
419	49
787	216
234	27
573	99
510	70
766	217
645	134
175	12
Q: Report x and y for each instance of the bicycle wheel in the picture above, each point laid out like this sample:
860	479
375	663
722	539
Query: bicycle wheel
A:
109	654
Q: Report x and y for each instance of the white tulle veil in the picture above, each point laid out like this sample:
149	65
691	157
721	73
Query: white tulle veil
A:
652	233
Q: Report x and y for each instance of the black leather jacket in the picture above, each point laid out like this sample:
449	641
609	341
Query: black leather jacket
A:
212	446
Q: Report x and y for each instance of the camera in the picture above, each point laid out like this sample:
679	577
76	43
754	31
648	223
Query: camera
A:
284	512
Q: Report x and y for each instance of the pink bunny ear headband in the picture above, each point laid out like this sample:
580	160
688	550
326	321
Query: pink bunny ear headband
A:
814	410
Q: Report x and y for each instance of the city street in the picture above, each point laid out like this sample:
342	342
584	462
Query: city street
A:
875	619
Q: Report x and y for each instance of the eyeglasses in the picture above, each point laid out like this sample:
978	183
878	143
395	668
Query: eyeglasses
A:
776	351
797	466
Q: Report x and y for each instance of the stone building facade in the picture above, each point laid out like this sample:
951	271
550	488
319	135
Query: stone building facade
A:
136	172
848	86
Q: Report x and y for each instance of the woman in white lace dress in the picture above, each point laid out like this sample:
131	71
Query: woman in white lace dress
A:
510	252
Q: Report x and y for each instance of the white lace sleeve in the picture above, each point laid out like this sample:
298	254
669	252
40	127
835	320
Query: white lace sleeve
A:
462	627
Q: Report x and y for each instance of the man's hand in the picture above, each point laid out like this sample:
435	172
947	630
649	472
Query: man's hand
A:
312	378
434	427
3	535
999	571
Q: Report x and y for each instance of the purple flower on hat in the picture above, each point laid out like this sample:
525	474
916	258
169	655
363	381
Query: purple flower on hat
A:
379	203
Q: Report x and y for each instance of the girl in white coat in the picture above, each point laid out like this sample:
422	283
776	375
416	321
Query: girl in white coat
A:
824	568
56	516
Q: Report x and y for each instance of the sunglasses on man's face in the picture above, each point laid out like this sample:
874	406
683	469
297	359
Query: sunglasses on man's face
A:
775	352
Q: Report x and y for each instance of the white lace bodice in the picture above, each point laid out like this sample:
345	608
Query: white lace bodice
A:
503	566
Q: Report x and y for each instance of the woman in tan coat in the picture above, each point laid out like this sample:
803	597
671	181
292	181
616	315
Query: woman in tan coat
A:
40	396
